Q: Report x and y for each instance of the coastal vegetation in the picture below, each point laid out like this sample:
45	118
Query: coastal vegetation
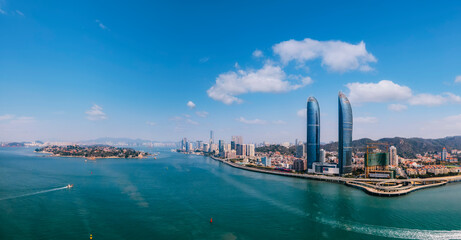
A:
277	148
95	151
408	147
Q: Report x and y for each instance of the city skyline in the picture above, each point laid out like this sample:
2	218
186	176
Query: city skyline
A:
89	73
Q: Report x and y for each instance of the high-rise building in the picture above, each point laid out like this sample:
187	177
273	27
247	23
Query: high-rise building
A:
377	165
266	161
299	165
199	144
237	139
188	147
313	131
206	147
301	150
221	146
394	158
211	137
214	148
250	150
322	156
443	155
183	143
233	145
345	135
241	149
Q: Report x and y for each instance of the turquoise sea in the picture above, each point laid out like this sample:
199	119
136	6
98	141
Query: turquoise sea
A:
175	196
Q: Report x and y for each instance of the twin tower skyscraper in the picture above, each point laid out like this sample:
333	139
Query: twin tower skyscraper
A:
344	133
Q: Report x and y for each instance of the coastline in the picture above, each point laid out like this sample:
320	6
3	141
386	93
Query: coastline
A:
414	184
50	154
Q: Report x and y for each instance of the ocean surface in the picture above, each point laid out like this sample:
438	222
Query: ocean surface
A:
176	195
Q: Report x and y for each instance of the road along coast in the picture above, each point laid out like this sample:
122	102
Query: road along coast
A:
376	187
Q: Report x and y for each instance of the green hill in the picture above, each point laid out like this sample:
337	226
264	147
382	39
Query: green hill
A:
406	147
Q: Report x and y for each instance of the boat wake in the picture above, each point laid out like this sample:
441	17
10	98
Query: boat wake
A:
391	232
373	230
34	193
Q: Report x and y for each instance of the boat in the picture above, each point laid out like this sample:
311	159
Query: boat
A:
70	185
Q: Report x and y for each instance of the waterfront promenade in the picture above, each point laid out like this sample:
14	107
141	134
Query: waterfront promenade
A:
377	187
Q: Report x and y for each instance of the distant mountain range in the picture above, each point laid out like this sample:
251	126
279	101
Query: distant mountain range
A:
406	147
125	141
101	141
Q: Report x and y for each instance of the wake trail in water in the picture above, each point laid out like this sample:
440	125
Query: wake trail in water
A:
391	232
34	193
373	230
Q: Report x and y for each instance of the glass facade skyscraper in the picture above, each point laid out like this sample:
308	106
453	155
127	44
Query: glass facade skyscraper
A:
345	135
313	131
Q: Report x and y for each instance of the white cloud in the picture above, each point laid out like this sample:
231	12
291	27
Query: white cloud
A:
452	97
382	91
12	119
176	118
458	79
181	120
269	79
95	113
365	119
387	91
247	121
430	100
279	122
427	100
258	53
19	12
190	121
335	55
101	25
2	12
202	114
302	113
204	59
22	120
397	107
151	123
190	104
6	117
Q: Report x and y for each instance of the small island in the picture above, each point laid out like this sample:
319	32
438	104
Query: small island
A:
92	152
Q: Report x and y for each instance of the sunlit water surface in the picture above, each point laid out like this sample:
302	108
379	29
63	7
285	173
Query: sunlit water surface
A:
175	196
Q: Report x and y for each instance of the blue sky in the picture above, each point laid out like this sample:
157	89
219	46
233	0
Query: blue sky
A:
76	70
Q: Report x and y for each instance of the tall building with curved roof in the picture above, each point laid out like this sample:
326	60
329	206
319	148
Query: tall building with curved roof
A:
345	134
313	131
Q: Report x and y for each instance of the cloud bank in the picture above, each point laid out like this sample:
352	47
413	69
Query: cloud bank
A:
337	56
388	91
269	79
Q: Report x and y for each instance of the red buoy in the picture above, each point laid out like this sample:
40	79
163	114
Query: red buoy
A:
211	220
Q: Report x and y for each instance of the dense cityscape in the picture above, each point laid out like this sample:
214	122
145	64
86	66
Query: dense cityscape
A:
374	160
